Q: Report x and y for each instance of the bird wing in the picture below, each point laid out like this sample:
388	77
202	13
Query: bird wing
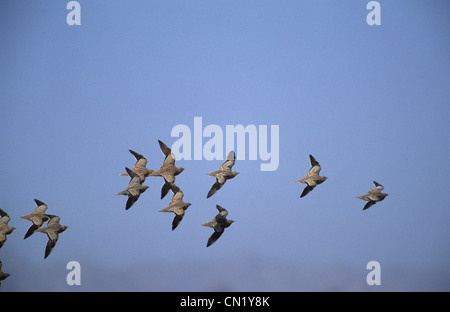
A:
137	155
175	189
306	190
313	161
2	239
378	186
215	236
169	161
132	174
375	190
54	221
2	213
39	219
31	230
229	163
39	203
178	196
39	210
130	201
164	148
315	167
370	203
49	247
222	211
52	234
169	178
170	157
141	164
176	220
166	186
214	188
5	219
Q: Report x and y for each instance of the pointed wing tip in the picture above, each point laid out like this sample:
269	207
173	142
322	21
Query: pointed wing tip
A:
136	155
220	208
306	190
369	204
313	161
211	192
38	202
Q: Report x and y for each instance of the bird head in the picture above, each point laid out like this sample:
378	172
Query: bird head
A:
180	170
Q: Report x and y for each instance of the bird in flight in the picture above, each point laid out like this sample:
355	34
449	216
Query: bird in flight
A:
38	217
52	230
140	166
374	195
168	169
134	189
312	178
5	229
177	206
223	174
219	224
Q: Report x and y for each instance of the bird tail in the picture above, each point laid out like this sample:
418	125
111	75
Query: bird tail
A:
155	173
209	224
123	193
167	209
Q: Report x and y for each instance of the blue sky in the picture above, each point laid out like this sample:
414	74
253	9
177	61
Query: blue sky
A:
369	102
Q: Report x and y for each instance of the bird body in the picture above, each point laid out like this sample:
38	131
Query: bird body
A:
5	229
219	224
374	195
177	206
134	189
312	178
140	167
168	169
52	230
223	174
38	217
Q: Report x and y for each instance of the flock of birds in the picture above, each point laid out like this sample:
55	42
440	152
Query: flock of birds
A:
38	217
168	171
